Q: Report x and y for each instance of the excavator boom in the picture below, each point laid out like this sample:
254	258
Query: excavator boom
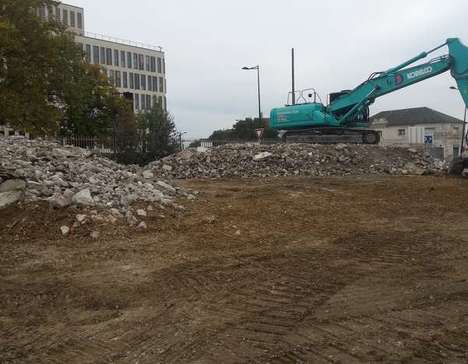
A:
459	68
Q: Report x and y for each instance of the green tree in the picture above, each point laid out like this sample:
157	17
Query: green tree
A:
225	134
245	130
91	103
160	134
45	84
195	144
124	125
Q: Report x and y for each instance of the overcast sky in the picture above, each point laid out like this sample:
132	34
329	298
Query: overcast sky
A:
338	44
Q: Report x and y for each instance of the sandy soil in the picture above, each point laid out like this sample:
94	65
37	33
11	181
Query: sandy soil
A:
297	270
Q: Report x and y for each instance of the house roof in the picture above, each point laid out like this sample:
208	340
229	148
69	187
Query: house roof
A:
414	116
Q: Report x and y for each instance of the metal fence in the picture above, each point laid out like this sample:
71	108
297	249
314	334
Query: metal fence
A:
104	145
209	143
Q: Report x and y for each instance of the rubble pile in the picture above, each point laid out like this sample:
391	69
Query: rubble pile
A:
253	160
35	170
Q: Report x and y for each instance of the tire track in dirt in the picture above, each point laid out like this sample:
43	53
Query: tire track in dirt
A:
388	292
269	310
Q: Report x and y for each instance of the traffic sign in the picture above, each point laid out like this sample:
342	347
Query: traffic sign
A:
259	133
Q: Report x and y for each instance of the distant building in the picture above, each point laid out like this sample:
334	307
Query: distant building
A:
135	69
420	126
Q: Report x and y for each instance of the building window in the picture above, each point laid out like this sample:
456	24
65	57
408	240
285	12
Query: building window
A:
79	17
153	64
112	77
122	58
118	79
103	55
159	65
135	61
161	84
147	63
88	53
109	56
72	19
150	83
164	66
116	58
143	102
165	103
65	17
57	13
42	12
125	79
137	102
155	84
141	62
155	100
129	60
137	81
401	132
160	101
95	54
132	83
143	82
148	102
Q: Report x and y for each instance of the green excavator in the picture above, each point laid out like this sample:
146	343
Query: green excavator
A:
346	117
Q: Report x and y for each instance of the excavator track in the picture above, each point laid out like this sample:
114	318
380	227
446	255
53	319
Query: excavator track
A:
332	136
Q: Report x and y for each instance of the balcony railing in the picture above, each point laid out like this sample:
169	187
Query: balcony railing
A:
121	41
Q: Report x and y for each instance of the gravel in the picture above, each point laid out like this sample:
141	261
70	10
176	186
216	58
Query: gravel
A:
39	170
253	160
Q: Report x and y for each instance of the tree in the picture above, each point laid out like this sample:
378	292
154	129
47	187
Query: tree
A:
195	144
160	135
45	84
125	133
245	130
90	103
225	134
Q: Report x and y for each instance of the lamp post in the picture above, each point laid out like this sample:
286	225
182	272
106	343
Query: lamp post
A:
180	139
462	147
258	89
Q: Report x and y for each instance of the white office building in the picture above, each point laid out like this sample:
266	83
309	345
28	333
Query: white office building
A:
135	69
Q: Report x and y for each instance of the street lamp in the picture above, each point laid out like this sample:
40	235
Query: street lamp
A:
180	139
258	88
464	128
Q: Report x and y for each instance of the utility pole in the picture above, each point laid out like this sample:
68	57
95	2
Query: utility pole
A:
293	78
259	101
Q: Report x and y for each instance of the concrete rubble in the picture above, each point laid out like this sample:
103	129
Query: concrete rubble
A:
38	170
253	160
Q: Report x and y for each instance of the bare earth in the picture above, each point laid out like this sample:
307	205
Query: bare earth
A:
297	270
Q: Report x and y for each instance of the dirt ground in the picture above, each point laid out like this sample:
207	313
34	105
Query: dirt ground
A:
296	270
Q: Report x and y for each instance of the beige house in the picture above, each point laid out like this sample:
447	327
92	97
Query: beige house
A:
420	126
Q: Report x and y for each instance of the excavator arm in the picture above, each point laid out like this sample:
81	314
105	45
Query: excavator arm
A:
350	106
459	69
